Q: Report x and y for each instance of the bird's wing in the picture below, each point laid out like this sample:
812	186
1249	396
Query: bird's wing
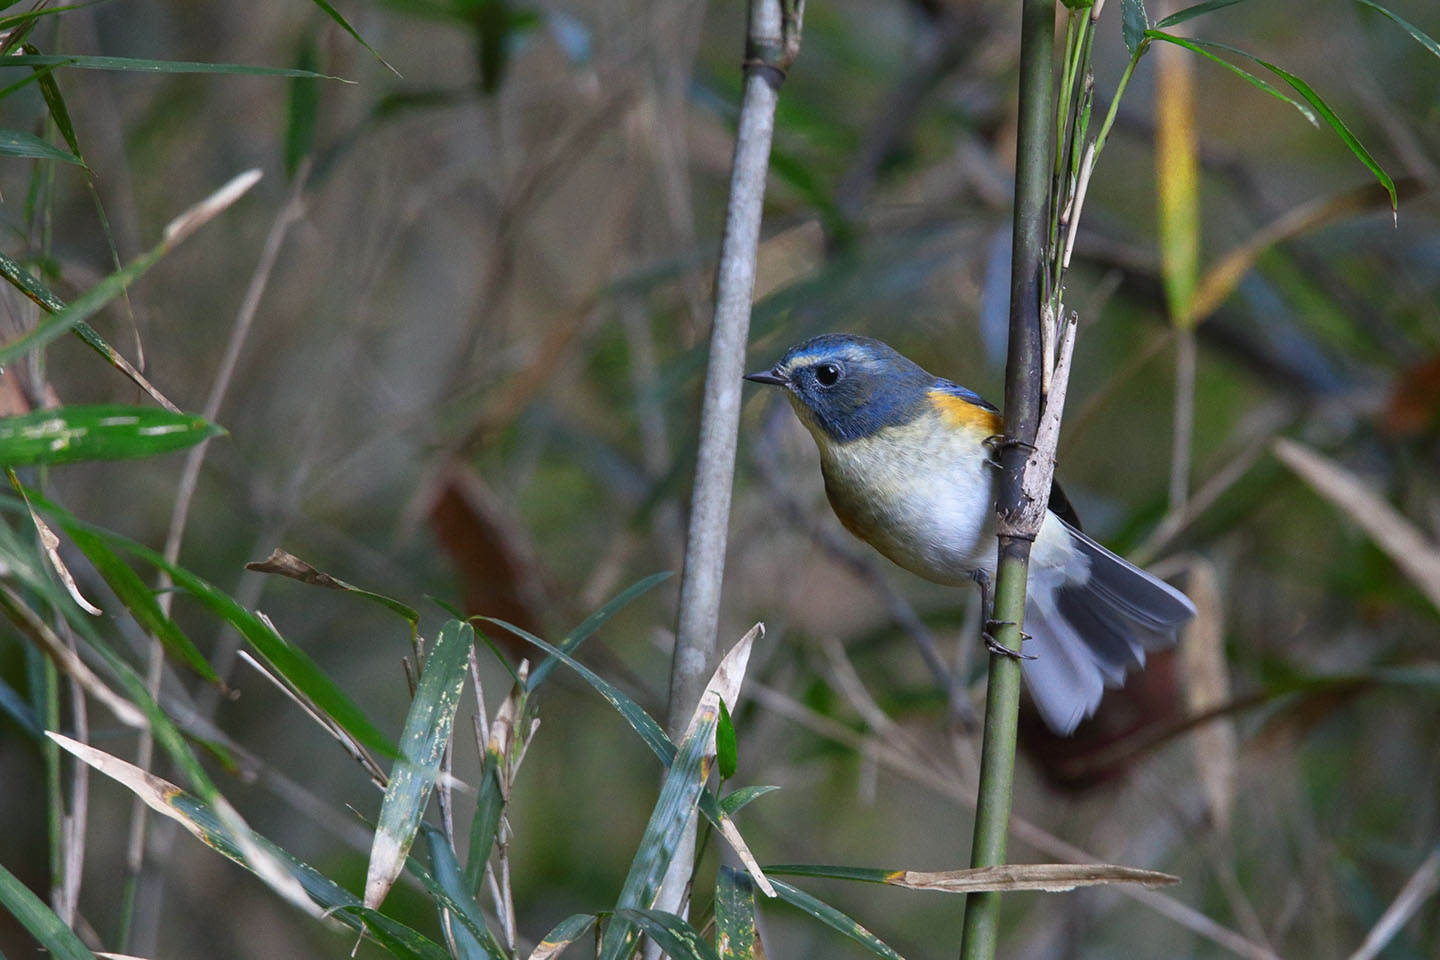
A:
964	393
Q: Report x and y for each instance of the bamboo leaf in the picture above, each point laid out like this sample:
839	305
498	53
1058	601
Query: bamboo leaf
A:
723	686
1177	182
1190	13
132	65
1133	24
98	432
489	804
734	801
640	721
289	661
202	821
735	934
834	919
471	934
42	922
334	14
1196	46
55	103
1049	877
594	622
303	110
26	283
683	785
563	934
140	601
288	565
17	143
671	933
726	750
422	744
1421	37
1306	92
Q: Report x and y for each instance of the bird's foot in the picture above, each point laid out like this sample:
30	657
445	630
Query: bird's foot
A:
995	646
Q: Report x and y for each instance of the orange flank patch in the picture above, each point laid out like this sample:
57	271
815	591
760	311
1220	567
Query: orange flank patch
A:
961	414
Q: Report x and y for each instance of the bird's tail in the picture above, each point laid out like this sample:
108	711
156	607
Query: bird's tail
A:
1090	631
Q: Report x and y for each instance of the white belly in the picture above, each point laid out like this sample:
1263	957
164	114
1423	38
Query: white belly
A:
925	498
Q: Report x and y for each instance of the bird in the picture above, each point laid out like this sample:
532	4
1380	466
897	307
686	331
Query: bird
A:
906	459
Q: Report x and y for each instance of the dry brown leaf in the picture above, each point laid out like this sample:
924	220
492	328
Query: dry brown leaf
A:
725	685
289	565
1049	877
1207	686
497	568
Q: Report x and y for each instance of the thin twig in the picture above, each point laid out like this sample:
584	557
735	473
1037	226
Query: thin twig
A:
1420	887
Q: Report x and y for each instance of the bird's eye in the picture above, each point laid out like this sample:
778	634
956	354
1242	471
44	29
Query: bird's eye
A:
826	374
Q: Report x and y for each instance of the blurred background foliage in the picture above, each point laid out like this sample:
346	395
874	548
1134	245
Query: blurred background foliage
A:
474	375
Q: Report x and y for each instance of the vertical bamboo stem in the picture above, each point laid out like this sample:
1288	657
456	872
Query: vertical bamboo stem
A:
1023	373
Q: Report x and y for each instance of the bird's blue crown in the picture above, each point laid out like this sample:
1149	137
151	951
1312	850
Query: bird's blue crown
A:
853	386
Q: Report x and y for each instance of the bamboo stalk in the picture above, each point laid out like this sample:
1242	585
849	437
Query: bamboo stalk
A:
1023	377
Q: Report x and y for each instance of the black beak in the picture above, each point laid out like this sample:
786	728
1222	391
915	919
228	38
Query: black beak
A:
770	377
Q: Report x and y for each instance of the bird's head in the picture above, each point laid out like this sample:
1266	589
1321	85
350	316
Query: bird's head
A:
849	387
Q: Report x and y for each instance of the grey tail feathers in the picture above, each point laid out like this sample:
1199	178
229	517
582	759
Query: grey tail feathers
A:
1089	633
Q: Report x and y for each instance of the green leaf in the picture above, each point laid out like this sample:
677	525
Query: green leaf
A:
683	786
26	283
47	928
55	103
303	110
735	932
422	744
83	306
17	143
200	818
472	935
1133	24
830	872
563	934
672	934
640	721
98	432
289	661
489	804
334	14
131	65
834	919
737	799
1190	13
1300	86
140	601
1421	37
593	623
726	750
1196	46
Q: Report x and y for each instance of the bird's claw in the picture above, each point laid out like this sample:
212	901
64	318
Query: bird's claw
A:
995	646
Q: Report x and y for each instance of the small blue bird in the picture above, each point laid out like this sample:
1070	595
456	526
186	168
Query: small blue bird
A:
907	470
